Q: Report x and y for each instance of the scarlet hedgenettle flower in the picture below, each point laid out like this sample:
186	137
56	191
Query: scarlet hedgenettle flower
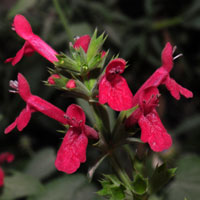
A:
71	84
51	80
4	157
152	129
32	42
72	151
83	42
113	88
33	104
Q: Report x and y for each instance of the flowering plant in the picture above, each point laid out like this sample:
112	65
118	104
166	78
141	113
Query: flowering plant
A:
86	74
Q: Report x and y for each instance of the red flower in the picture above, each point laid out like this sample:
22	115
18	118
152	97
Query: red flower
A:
71	84
113	88
33	104
51	80
152	129
4	157
83	42
72	151
32	42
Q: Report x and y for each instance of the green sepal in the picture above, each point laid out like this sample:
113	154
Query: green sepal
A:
160	177
59	82
95	45
80	91
67	63
139	185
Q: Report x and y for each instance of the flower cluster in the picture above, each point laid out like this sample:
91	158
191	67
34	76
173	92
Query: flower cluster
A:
90	80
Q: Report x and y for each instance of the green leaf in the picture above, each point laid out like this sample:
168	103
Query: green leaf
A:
94	167
42	164
160	177
20	7
187	181
67	187
112	188
140	185
20	185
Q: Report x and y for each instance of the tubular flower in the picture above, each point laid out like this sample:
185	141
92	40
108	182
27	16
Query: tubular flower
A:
4	157
72	151
33	104
152	129
113	88
32	42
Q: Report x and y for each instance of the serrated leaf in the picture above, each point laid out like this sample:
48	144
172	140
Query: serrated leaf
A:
160	177
187	180
20	185
67	187
112	188
42	164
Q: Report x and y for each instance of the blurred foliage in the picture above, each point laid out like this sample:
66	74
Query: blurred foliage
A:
138	31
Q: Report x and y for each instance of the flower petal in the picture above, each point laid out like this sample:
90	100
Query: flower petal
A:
148	99
91	133
26	50
76	115
23	87
115	66
153	132
167	57
23	118
72	151
22	27
116	93
176	89
83	42
10	127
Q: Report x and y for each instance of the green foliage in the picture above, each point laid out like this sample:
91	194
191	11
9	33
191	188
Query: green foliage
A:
67	188
187	181
41	165
160	177
93	50
112	187
19	185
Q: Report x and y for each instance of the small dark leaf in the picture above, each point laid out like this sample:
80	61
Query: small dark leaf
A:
160	177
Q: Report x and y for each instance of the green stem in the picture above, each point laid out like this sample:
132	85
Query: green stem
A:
166	23
63	19
120	172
